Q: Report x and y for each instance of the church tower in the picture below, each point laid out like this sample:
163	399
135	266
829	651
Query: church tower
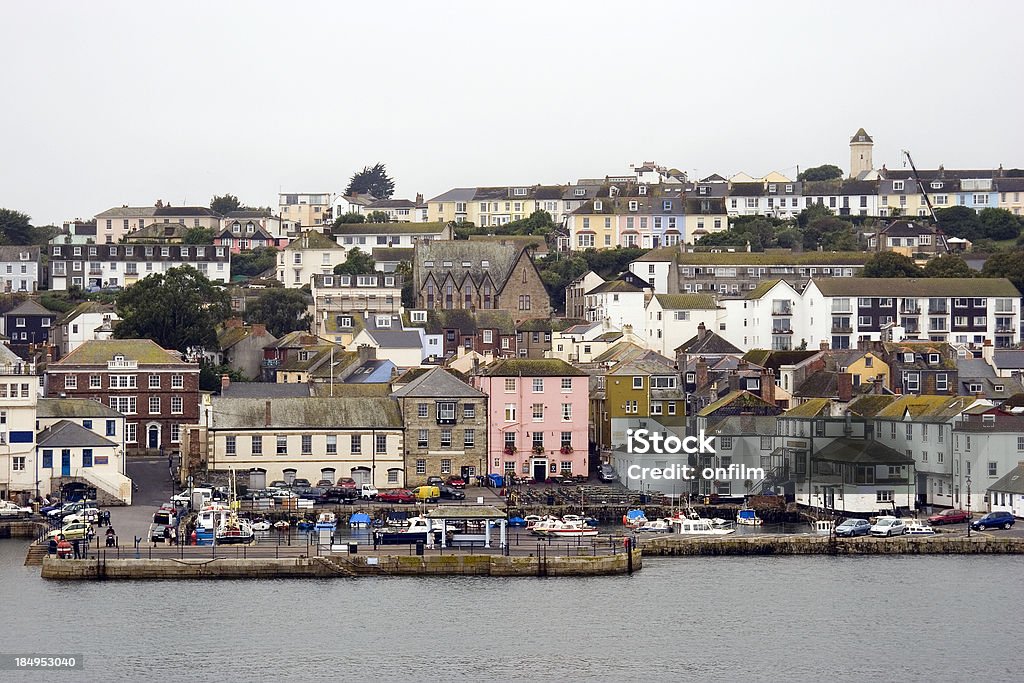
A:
860	153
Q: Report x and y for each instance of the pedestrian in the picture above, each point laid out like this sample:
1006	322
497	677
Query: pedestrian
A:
75	549
63	548
51	547
167	534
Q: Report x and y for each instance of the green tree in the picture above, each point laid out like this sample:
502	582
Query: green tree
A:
537	223
199	235
350	217
960	221
1008	264
371	180
210	375
404	271
947	265
15	227
281	310
999	224
830	234
357	262
223	204
253	262
178	310
890	264
812	213
378	217
823	172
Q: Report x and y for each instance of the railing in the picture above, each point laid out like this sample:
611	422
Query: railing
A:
842	329
910	310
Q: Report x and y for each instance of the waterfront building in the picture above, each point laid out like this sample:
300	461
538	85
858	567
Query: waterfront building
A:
19	389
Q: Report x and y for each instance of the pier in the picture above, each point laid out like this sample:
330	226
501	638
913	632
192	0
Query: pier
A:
940	544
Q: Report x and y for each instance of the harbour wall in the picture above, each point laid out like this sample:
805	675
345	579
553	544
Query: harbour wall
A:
342	566
979	544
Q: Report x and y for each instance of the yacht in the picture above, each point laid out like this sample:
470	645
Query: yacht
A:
656	526
698	527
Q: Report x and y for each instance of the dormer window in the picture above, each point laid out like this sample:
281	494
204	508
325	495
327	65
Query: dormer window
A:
703	190
446	264
485	264
633	205
328	281
897	185
428	264
908	358
383	321
643	189
580	192
933	358
666	206
789	189
772	188
598	205
519	192
936	185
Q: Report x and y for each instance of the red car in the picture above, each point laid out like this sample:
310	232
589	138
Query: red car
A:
396	496
456	482
950	517
346	483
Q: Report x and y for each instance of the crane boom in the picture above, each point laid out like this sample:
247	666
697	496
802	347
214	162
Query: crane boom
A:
927	200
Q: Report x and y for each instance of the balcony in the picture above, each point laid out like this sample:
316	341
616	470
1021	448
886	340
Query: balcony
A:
842	329
936	309
841	309
910	309
785	309
780	330
1004	328
122	364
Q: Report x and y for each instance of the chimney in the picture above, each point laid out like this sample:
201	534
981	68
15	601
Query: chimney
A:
266	414
988	351
823	345
741	364
844	386
768	385
734	381
701	331
259	329
225	382
864	343
701	378
419	198
366	352
231	323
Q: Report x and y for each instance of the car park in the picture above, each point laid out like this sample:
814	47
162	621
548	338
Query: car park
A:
341	495
949	517
888	526
994	520
11	509
396	496
854	527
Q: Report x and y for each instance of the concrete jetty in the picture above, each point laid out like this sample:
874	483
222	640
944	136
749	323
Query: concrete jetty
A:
979	544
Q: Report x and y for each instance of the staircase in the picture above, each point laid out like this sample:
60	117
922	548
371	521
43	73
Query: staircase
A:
773	478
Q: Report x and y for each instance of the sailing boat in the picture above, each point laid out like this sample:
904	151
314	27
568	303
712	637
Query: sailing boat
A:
234	530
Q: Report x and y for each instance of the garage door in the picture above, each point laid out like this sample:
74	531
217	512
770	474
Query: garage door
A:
361	475
257	479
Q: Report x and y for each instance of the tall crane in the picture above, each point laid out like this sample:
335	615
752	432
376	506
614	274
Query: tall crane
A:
927	200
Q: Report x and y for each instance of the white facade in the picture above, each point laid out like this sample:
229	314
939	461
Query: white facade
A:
575	292
656	273
19	392
617	308
771	320
985	457
121	265
308	255
366	236
86	327
19	269
670	324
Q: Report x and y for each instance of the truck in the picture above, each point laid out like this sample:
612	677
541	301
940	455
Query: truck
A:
368	491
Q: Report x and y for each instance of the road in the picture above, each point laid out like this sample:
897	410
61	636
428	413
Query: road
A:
152	489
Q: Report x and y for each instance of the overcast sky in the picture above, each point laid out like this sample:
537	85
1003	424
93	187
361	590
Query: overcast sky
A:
124	103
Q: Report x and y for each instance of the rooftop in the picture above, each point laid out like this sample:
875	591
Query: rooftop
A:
916	287
527	367
305	413
144	351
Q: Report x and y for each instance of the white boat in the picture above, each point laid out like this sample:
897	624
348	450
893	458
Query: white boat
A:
656	526
326	522
261	525
748	517
233	530
211	516
634	518
557	528
535	521
698	527
916	527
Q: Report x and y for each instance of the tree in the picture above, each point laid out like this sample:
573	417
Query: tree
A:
378	217
15	227
358	262
210	375
281	310
223	204
999	224
947	265
823	172
830	234
960	221
178	310
350	217
199	235
254	262
404	271
890	264
812	213
1008	264
373	181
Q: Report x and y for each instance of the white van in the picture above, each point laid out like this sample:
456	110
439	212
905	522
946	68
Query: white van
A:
196	498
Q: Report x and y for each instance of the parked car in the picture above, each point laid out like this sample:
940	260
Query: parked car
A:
368	491
607	473
325	483
994	520
11	509
347	483
435	481
452	493
156	533
949	517
76	531
67	509
284	494
338	494
396	496
279	484
317	495
427	494
300	483
854	527
888	526
456	482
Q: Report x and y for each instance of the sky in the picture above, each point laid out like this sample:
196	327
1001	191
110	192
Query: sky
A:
111	103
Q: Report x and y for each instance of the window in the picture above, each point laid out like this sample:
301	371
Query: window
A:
566	412
422	438
469	438
95	381
538	385
510	412
421	466
468	410
154	381
538	412
884	496
566	384
941	382
446	411
257	445
446	466
446	438
18	462
380	444
510	385
130	432
70	381
909	430
725	443
332	444
993	469
154	405
175	433
638	382
421	410
356	444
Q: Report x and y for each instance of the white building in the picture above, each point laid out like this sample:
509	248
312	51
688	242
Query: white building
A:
617	303
575	292
657	268
368	236
776	199
1007	494
672	319
311	253
121	265
19	268
87	321
766	317
987	444
19	391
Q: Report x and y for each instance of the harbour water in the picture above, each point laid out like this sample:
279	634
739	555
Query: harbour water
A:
813	618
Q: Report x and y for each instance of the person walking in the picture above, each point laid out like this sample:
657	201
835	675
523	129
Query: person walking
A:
75	547
167	534
51	547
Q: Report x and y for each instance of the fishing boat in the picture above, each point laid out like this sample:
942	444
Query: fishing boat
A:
359	520
305	525
917	527
282	525
697	527
656	526
748	517
634	518
234	530
208	520
326	522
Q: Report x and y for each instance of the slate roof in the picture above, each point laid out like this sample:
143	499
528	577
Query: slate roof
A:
1013	482
396	339
388	228
73	407
8	357
712	343
127	212
185	211
746	189
925	408
861	136
761	289
769	258
649	364
774	360
500	258
907	229
392	254
1007	360
305	413
687	302
620	286
13	252
67	434
312	239
437	383
816	407
916	287
247	213
30	307
869	406
265	390
527	367
535	325
145	351
745	425
392	204
458	194
861	451
660	254
738	397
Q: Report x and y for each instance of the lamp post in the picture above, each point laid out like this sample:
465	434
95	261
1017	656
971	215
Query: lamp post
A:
967	480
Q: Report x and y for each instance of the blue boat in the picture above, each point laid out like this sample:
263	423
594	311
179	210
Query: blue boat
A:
359	520
517	521
591	521
326	522
305	525
634	518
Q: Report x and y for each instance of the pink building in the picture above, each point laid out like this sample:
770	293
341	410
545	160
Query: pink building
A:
538	421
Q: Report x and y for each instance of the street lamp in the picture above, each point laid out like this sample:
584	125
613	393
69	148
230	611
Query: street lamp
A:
968	481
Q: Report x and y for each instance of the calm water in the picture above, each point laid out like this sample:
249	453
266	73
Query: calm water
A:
708	619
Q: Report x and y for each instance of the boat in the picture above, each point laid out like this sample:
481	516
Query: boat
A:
656	526
234	530
517	521
572	518
748	517
557	528
633	518
359	520
592	521
530	520
305	525
209	518
698	527
416	531
326	522
541	526
917	527
282	525
261	525
533	521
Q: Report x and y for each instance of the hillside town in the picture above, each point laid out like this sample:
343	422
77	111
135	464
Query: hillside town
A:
854	335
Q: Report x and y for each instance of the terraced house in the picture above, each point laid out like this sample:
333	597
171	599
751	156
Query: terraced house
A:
492	206
631	215
121	265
